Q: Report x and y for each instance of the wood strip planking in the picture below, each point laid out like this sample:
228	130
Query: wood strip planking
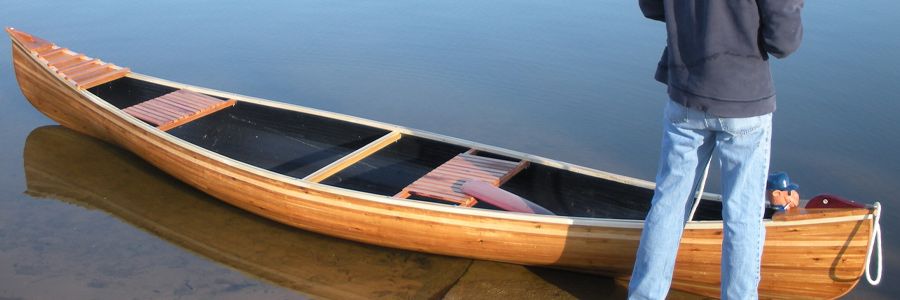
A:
65	59
42	48
150	112
81	61
40	51
164	118
145	118
210	110
172	108
806	214
159	118
174	103
464	168
194	98
159	106
52	52
91	71
169	115
86	66
353	157
170	99
482	162
103	78
186	102
143	115
443	182
57	56
460	171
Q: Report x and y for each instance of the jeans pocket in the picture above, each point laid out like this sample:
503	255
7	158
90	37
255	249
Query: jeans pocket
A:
743	126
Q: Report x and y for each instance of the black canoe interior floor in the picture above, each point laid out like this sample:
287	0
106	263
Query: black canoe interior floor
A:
126	91
297	144
286	142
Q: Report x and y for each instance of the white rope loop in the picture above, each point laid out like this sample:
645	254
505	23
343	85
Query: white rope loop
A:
700	191
876	237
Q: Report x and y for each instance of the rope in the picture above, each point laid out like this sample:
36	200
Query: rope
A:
700	192
876	236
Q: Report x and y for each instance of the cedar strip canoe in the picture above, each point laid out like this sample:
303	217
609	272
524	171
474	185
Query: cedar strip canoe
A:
256	155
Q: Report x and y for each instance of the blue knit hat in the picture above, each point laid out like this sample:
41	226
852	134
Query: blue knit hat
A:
780	181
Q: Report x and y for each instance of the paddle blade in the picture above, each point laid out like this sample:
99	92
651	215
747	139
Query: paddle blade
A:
498	197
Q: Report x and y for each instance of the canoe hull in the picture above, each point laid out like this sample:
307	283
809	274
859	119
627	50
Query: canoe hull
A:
820	258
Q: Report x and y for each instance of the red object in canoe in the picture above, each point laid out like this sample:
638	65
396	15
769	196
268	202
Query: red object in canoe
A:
832	201
498	197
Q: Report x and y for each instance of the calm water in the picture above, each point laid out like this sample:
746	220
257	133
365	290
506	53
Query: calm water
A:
570	80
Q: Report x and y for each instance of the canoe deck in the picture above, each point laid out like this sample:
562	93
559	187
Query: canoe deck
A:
74	67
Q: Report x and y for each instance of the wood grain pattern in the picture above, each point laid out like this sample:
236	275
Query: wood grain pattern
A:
177	108
445	182
85	76
354	157
827	249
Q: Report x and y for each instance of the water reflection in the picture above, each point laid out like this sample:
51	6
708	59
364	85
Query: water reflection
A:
64	165
70	167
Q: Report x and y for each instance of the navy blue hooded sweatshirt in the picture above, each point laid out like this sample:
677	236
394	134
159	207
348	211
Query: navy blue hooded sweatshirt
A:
716	58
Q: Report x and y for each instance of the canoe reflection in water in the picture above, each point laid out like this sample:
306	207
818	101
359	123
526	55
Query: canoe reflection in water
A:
65	165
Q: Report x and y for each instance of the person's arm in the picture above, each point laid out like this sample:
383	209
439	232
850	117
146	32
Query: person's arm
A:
782	30
653	9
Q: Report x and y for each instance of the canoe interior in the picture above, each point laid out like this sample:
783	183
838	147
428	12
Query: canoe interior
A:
125	91
388	171
298	144
282	141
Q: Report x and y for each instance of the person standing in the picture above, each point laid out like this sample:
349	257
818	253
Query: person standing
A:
721	99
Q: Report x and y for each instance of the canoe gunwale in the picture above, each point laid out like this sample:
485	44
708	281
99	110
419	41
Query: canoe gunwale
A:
388	200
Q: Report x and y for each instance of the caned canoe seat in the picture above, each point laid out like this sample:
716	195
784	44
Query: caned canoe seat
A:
445	182
74	67
176	108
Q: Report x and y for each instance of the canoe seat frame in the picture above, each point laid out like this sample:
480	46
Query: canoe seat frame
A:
445	182
177	108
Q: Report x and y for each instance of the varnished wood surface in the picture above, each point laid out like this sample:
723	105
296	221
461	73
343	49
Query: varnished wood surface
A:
812	258
445	182
354	157
74	67
177	108
816	213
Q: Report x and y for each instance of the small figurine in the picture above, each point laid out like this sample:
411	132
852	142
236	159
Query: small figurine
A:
780	192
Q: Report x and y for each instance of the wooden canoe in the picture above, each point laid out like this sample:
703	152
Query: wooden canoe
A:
398	187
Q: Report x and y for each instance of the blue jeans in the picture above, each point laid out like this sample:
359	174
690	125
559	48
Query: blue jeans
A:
742	147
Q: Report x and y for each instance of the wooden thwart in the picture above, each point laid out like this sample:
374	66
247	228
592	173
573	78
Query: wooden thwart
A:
354	157
176	108
445	182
